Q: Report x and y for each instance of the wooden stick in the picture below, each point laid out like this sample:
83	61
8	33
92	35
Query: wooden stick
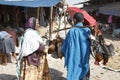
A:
69	28
51	22
64	16
38	12
61	29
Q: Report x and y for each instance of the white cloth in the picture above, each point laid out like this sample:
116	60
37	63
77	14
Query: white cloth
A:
3	34
30	42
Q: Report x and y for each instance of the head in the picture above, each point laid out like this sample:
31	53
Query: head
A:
78	17
20	31
32	23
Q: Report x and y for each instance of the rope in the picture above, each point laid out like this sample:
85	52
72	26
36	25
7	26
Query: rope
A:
109	68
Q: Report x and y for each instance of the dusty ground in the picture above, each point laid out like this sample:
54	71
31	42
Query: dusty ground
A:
58	72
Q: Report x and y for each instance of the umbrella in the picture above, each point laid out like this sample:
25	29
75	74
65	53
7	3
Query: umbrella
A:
89	20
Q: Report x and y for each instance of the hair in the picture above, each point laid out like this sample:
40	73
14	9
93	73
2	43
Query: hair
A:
79	17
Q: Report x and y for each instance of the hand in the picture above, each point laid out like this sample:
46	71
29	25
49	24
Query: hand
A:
46	49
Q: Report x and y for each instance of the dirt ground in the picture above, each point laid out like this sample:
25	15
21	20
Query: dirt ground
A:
58	72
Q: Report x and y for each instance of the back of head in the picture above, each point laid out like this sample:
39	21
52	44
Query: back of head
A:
79	17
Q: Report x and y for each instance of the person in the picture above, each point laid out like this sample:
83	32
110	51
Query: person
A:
32	63
76	50
69	19
7	46
12	32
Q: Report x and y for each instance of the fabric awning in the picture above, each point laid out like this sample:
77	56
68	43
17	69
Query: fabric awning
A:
30	3
111	9
89	20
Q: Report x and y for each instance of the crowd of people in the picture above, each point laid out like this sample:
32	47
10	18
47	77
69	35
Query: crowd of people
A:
32	62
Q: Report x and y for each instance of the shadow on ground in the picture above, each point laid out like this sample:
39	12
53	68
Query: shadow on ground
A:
7	77
56	75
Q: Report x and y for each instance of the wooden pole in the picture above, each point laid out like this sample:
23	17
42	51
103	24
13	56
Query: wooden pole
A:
38	12
17	12
63	12
69	28
17	20
61	29
50	26
64	15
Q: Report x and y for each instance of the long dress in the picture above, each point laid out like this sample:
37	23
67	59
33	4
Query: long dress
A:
32	62
31	72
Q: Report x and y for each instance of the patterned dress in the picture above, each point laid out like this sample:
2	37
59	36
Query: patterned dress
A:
31	72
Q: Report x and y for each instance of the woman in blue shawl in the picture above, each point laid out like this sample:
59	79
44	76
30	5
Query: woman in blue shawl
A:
76	50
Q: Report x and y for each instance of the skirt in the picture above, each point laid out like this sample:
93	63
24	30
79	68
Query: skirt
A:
31	72
7	46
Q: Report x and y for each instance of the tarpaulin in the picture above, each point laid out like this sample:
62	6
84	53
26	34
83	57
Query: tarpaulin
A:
30	3
89	20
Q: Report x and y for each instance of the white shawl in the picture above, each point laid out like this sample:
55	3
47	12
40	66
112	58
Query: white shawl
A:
29	42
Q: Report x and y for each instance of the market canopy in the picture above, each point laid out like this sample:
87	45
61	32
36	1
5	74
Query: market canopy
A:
30	3
89	20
